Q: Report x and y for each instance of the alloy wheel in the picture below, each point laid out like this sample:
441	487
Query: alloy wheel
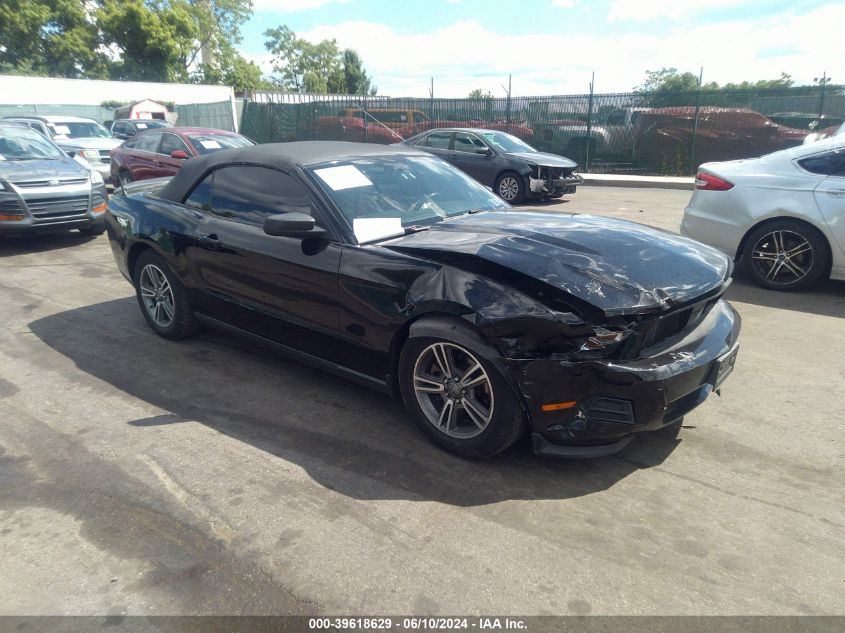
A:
453	390
782	257
157	295
508	188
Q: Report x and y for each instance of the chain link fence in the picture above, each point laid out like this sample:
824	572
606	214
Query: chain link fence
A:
642	133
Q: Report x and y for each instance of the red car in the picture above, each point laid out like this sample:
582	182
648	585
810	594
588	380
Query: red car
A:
161	152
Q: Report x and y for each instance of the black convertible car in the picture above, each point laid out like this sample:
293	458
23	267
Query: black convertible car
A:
393	268
511	167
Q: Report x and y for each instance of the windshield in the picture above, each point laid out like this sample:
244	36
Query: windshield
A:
381	192
149	125
507	143
21	143
208	143
85	129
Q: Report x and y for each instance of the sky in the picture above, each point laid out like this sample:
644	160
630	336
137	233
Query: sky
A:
553	46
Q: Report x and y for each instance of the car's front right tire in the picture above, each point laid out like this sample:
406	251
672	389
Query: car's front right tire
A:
162	298
457	395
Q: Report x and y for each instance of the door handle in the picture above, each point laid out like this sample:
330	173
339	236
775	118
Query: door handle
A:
211	241
839	193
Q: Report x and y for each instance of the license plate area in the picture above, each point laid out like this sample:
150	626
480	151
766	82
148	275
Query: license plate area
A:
725	365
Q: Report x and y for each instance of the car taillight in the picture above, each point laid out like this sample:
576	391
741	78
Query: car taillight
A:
709	182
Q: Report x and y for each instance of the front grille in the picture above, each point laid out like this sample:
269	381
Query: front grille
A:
556	173
673	324
29	184
57	208
104	155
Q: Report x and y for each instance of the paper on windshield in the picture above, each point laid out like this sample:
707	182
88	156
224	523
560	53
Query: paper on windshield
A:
62	129
210	144
142	126
344	177
371	229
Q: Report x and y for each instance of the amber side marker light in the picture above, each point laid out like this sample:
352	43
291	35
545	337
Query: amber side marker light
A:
11	218
559	406
99	209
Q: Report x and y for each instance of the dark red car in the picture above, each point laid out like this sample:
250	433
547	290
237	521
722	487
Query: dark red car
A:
162	151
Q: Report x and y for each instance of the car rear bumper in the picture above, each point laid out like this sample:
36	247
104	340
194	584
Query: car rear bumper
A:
616	400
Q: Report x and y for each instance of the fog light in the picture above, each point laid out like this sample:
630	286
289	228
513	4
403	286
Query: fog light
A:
15	217
100	208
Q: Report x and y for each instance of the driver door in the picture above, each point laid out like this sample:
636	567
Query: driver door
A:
281	288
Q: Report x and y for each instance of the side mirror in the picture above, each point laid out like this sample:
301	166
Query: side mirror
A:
179	153
482	150
299	225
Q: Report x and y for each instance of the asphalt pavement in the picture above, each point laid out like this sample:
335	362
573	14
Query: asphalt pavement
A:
142	476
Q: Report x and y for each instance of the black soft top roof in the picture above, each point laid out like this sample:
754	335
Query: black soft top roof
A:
279	155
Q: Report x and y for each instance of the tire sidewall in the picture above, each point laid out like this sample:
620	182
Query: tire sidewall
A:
508	421
821	256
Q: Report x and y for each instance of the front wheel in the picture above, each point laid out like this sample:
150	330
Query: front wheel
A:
457	396
786	255
510	187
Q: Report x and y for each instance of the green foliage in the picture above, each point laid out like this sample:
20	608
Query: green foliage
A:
49	37
322	67
667	87
478	94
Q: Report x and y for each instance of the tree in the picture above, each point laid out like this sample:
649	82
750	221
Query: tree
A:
153	40
49	37
483	99
478	94
321	67
668	87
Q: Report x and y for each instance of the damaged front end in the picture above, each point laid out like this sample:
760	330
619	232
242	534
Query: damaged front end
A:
553	180
589	389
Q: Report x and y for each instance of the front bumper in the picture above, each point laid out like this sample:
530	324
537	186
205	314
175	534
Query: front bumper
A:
50	209
554	185
616	400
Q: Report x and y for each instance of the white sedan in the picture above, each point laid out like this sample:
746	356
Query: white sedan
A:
781	216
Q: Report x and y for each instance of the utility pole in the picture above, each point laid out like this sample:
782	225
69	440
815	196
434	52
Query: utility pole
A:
822	82
431	96
692	164
508	91
589	122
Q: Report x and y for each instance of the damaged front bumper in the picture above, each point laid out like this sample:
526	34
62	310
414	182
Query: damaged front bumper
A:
547	181
615	400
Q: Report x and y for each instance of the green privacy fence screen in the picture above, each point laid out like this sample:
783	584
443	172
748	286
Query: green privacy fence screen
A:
647	133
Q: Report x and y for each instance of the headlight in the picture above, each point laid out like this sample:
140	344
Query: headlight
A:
91	155
96	178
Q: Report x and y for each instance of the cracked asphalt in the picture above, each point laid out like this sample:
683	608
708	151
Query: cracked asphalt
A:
141	476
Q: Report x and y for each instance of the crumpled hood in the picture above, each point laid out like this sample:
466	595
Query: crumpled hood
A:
89	142
23	170
617	267
544	160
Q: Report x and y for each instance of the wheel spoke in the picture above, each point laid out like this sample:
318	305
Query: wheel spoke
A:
147	291
764	256
447	415
795	269
441	357
777	236
473	376
168	310
428	384
477	413
774	270
798	250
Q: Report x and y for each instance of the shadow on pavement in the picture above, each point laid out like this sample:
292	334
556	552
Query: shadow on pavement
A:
42	243
825	298
349	439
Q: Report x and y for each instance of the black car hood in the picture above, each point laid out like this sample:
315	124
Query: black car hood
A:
23	170
616	267
543	159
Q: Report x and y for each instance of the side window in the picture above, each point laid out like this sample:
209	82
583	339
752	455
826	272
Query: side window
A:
827	164
467	142
200	197
147	142
249	193
419	117
122	128
171	143
439	140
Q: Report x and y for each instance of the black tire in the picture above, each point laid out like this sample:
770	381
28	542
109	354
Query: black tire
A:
506	418
94	229
182	322
510	187
766	255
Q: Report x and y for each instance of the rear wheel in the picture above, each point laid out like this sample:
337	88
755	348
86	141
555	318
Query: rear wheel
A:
458	397
786	255
164	302
510	187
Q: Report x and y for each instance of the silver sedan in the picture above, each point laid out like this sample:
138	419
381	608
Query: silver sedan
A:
781	216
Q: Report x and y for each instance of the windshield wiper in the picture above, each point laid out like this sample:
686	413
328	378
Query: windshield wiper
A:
416	228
